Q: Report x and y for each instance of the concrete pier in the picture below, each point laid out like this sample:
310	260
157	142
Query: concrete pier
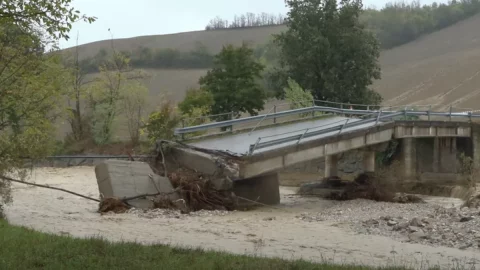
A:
409	158
331	166
264	189
368	160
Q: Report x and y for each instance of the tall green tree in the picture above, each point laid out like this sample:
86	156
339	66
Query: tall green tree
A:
326	49
31	82
233	82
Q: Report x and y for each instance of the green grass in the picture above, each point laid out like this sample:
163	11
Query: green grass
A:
22	248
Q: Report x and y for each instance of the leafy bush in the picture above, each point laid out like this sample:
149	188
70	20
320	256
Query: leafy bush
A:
161	124
196	99
296	96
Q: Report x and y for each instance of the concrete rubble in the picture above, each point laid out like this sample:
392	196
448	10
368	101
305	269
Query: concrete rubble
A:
125	179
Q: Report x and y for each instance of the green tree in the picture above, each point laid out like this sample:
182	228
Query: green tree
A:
107	92
55	17
196	98
133	106
233	82
31	82
327	50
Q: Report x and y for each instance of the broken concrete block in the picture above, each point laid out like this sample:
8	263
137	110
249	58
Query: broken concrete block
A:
224	172
123	179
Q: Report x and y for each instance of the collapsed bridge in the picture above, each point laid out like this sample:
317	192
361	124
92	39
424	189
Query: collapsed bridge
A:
248	160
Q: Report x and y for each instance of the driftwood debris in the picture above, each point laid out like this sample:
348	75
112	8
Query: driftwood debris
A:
365	186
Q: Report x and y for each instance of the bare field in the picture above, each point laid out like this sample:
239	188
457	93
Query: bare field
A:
291	230
213	40
442	69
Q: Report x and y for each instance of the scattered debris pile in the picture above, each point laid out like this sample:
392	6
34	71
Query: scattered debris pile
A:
199	193
365	186
115	205
472	202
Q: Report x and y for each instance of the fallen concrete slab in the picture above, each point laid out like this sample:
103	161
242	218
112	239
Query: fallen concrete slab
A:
125	179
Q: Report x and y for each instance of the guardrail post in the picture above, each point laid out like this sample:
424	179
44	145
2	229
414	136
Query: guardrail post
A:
450	113
313	108
275	112
341	108
428	112
183	125
231	118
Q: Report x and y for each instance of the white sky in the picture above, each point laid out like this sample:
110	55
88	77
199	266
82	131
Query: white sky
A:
130	18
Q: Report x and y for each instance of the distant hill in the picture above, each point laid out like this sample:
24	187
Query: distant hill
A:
213	40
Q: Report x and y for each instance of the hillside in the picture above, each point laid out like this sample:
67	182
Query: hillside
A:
213	40
442	68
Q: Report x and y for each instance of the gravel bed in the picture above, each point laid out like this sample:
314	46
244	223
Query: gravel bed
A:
418	223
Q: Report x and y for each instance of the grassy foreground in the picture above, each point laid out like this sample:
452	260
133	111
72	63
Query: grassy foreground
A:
22	248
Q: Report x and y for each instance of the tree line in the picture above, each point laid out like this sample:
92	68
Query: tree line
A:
246	20
399	23
395	24
143	57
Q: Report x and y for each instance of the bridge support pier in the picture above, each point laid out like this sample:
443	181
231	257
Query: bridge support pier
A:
263	189
476	146
368	160
409	156
331	169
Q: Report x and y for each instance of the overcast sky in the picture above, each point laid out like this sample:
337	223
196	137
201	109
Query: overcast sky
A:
130	18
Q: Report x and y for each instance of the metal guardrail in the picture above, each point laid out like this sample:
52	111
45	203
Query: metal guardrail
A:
306	134
313	109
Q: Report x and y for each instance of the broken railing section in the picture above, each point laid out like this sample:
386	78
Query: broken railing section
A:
183	177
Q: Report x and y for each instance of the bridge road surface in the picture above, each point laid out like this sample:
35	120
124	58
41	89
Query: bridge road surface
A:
240	143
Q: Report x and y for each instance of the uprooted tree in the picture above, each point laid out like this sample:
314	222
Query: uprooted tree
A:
31	81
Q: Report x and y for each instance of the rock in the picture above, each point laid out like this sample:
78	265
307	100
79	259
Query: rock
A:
428	220
413	229
400	227
466	246
417	236
407	198
416	222
371	222
465	219
392	223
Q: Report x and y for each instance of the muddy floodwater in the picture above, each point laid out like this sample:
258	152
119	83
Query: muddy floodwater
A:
300	227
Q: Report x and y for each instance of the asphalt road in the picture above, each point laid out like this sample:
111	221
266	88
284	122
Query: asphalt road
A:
240	143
